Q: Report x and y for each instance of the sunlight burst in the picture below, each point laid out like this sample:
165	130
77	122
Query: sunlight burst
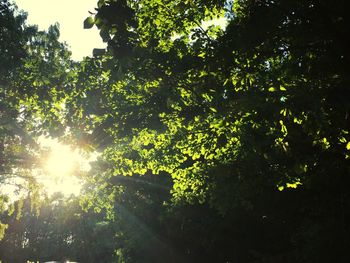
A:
61	161
61	166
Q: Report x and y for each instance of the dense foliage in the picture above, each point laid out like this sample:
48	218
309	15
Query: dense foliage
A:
14	140
59	231
223	128
33	72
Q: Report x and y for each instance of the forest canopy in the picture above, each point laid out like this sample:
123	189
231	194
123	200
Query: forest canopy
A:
222	129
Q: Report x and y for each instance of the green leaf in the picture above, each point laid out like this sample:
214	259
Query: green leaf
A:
98	51
100	3
104	35
89	22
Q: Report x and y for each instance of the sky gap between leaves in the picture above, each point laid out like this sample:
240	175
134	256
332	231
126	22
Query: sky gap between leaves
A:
70	15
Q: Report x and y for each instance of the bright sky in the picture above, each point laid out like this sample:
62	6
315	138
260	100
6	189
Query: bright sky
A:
70	14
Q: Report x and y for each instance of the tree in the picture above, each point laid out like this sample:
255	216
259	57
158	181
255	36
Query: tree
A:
225	143
60	230
12	50
34	70
238	118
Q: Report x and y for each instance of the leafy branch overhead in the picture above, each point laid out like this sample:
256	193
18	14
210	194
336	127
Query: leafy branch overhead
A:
236	115
223	127
174	100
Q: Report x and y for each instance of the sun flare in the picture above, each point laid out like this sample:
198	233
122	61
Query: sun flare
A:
61	161
60	167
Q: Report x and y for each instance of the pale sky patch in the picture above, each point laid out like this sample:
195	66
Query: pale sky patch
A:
221	21
70	14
